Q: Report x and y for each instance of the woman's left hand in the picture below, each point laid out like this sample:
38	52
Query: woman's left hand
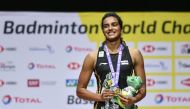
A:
127	101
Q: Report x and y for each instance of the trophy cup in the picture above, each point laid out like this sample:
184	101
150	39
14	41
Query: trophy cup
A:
108	84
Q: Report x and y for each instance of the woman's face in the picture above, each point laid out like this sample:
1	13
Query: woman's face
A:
111	29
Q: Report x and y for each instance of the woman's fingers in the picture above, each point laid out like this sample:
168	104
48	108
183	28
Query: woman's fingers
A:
107	94
126	100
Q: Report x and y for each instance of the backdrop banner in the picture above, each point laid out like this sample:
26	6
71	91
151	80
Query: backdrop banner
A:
41	55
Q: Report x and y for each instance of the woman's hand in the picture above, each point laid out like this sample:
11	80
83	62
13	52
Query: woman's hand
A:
127	101
107	94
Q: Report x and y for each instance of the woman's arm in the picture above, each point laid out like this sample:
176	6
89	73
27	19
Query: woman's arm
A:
84	77
139	70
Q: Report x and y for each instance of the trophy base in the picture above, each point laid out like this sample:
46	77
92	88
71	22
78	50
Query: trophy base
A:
131	107
115	106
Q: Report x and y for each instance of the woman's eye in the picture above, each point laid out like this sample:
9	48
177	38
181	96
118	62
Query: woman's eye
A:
114	24
105	26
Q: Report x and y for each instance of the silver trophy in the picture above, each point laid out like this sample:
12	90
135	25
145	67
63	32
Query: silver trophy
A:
108	84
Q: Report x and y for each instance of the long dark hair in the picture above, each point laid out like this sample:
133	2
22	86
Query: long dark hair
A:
112	14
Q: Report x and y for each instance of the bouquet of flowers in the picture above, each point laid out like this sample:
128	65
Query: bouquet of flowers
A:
134	83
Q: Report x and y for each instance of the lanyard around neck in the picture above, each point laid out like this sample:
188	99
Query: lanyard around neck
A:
115	75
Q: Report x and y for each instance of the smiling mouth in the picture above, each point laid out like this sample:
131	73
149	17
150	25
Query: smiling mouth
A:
111	33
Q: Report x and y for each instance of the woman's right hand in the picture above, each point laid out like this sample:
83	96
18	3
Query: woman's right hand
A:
107	94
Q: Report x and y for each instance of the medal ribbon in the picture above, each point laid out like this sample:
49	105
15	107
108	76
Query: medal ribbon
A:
115	75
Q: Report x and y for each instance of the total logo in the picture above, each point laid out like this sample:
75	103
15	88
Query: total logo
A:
159	98
70	48
32	65
73	65
7	99
171	99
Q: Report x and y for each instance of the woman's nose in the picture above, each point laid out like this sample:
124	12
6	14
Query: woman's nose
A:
110	27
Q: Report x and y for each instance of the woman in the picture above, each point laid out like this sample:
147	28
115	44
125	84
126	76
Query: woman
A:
112	56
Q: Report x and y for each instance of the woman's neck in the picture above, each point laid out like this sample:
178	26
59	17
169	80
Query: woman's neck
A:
113	46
